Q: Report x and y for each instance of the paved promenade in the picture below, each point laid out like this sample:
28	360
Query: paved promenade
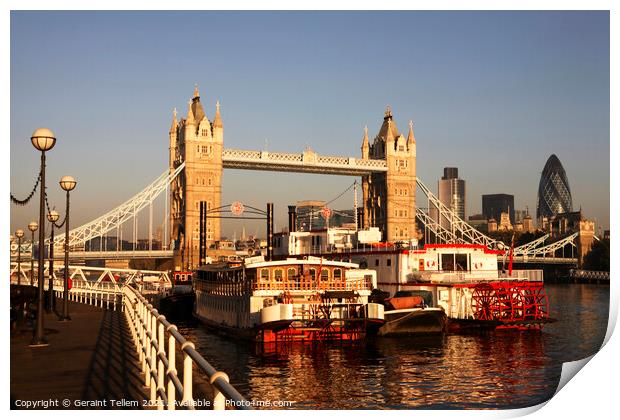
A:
89	359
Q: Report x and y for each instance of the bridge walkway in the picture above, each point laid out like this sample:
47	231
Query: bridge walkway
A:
91	358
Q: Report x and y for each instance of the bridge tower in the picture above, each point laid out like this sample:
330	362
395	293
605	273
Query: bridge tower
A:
389	198
199	143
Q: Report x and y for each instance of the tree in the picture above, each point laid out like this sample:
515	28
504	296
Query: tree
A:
598	257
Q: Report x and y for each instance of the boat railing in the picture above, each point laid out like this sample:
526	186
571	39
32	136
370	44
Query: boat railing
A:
321	310
307	283
478	276
149	330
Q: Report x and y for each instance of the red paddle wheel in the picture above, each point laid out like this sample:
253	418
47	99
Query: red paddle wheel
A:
483	302
536	303
513	303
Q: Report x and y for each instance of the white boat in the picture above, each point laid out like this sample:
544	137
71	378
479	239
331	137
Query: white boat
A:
463	280
296	299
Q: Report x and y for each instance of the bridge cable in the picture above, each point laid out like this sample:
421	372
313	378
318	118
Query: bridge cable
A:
340	195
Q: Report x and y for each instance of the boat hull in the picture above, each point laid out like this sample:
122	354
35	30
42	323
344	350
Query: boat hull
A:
297	330
413	322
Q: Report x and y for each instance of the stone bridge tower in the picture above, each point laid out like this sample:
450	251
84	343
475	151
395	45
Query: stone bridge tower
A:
199	143
389	198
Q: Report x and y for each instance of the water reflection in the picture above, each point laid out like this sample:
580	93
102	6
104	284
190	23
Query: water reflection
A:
503	369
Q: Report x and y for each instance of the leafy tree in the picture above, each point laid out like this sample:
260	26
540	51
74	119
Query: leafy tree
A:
598	257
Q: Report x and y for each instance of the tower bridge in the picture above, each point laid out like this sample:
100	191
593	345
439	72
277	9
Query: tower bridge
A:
197	158
306	162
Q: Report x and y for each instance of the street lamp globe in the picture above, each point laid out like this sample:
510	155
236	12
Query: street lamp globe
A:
32	226
67	183
19	233
43	139
53	216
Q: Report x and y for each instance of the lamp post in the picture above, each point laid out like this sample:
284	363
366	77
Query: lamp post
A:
67	183
42	139
32	227
52	216
12	240
19	234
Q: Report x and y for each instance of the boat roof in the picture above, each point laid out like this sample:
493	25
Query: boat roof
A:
302	261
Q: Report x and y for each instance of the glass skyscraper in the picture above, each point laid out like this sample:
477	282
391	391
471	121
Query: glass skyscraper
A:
451	194
553	191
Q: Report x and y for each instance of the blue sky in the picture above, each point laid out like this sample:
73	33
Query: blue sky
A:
492	93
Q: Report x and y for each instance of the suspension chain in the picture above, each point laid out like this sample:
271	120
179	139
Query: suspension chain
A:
25	201
47	204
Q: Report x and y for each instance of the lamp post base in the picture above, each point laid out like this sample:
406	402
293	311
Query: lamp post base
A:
39	343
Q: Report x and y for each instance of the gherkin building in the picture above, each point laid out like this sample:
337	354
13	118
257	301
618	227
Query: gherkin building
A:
553	191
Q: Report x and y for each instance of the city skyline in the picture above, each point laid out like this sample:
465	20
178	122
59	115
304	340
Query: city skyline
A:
470	99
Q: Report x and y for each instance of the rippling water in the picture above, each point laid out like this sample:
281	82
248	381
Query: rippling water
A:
501	369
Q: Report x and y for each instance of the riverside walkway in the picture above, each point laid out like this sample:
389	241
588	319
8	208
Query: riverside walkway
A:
117	352
90	360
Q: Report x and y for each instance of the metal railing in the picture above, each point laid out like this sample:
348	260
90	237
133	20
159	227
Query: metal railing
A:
104	296
306	284
149	330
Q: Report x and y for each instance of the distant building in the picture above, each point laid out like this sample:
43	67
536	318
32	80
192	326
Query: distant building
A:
554	194
451	192
478	221
520	215
518	227
494	204
528	224
504	222
492	225
563	224
309	215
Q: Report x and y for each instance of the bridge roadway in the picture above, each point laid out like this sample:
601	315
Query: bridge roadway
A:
125	255
306	162
102	255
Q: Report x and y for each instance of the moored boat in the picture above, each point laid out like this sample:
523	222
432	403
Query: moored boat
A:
407	313
462	279
289	300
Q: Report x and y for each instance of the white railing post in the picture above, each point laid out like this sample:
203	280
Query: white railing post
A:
161	352
153	352
139	323
187	375
172	368
147	324
219	400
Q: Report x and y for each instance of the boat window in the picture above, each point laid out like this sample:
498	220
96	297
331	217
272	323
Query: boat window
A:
290	273
337	274
389	262
447	262
324	274
278	274
461	262
312	272
264	274
377	263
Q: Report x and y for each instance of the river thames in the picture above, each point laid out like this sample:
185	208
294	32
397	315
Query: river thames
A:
499	369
